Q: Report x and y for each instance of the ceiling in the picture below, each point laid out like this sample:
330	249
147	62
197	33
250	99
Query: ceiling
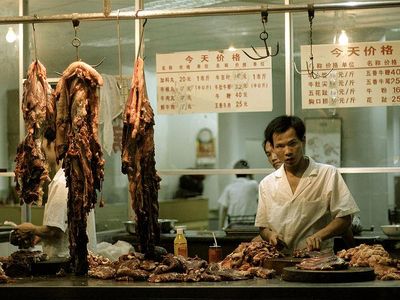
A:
99	39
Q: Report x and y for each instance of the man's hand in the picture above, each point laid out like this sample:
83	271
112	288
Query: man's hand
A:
27	228
271	236
313	242
337	226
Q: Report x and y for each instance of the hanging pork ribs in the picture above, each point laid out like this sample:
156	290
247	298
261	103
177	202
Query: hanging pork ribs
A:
138	161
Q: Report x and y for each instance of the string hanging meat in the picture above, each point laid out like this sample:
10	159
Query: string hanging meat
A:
138	161
31	170
77	111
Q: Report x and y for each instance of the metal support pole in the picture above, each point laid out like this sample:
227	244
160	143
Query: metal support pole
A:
26	213
198	12
289	101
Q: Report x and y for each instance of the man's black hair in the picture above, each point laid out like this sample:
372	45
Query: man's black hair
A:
49	134
241	164
281	124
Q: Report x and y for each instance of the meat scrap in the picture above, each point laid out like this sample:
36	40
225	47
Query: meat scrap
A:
301	253
102	272
226	273
167	277
31	170
325	262
77	113
95	260
253	253
374	256
138	162
3	277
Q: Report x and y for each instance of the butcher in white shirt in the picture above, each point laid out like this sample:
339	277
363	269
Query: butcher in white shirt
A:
53	233
303	203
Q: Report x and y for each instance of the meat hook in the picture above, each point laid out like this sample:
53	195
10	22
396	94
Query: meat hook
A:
76	42
34	38
119	83
310	65
263	37
141	39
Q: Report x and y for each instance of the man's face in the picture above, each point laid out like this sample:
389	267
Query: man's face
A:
272	157
49	151
288	147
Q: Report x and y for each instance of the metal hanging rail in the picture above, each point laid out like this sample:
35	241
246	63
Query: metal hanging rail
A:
197	12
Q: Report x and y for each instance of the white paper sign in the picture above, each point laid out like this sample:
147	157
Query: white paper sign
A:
213	81
361	75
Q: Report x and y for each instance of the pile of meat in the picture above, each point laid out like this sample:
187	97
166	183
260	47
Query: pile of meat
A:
77	113
20	262
249	255
374	256
138	162
31	170
243	263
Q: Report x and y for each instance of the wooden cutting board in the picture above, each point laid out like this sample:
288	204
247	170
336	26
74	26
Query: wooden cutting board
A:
51	266
279	263
352	274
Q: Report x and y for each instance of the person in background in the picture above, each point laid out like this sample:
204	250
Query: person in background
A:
271	156
303	204
53	233
190	186
239	198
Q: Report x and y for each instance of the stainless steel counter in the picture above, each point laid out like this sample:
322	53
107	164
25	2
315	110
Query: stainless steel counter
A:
73	287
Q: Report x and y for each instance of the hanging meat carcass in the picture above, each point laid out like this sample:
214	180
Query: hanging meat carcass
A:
77	112
138	161
31	170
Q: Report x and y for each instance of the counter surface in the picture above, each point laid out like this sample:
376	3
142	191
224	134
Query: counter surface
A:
74	287
82	287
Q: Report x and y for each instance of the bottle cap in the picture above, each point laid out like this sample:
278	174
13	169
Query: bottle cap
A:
179	229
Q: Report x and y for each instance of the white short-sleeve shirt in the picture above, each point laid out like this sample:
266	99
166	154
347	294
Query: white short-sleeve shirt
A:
55	215
320	196
240	197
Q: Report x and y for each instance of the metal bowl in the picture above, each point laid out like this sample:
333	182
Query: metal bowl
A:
391	230
166	225
130	227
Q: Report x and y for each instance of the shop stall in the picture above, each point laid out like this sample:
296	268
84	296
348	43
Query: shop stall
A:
350	106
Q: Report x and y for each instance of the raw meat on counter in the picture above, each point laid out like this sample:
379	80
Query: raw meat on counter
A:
31	170
136	267
19	263
374	256
324	262
138	161
77	115
250	254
